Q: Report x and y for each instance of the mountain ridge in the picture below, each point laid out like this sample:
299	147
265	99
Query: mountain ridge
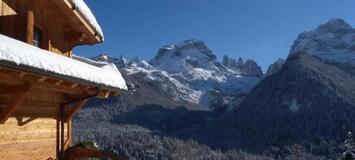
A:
193	74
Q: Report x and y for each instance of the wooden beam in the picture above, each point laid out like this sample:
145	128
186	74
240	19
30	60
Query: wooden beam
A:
11	89
22	74
74	85
104	94
74	109
30	23
40	81
13	104
114	93
50	83
59	82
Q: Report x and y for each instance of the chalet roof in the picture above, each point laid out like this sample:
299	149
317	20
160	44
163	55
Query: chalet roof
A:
81	6
19	55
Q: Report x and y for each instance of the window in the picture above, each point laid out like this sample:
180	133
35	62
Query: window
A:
37	37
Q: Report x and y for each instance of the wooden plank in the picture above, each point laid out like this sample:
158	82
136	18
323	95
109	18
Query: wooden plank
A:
74	109
14	103
4	100
6	10
36	140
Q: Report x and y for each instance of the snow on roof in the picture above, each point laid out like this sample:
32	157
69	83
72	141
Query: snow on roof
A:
85	10
23	54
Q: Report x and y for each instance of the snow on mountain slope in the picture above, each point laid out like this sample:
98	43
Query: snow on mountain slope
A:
189	60
189	71
333	42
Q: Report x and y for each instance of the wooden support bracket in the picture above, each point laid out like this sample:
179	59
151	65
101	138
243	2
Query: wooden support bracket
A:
70	111
14	103
22	122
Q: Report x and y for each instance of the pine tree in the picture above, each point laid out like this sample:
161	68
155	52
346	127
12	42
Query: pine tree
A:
349	153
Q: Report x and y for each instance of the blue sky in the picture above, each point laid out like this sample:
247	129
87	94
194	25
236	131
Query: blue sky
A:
262	30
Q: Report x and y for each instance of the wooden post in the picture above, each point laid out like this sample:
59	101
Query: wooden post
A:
30	24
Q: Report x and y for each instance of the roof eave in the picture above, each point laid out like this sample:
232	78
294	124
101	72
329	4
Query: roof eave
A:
71	11
38	71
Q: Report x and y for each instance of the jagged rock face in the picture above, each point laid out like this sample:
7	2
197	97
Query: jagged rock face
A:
333	42
233	64
249	68
275	67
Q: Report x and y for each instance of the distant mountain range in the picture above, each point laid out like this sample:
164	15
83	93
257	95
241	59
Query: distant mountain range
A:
189	73
302	106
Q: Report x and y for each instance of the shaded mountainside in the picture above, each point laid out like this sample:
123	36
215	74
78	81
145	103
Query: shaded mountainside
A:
139	143
307	102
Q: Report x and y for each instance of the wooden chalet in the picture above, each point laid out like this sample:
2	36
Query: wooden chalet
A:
42	84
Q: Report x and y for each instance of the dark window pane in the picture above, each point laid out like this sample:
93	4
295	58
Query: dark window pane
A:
37	37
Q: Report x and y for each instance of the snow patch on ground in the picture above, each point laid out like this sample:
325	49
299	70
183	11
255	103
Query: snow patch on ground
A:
293	105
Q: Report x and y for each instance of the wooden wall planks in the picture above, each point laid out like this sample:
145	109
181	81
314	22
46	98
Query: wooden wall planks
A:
36	140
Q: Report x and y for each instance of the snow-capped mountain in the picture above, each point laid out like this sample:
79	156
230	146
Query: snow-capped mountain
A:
333	42
190	72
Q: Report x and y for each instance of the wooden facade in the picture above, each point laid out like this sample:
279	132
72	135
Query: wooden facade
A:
60	27
35	109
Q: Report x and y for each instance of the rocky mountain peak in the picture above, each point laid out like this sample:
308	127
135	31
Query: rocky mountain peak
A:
185	56
191	47
232	63
249	68
335	25
118	61
102	57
